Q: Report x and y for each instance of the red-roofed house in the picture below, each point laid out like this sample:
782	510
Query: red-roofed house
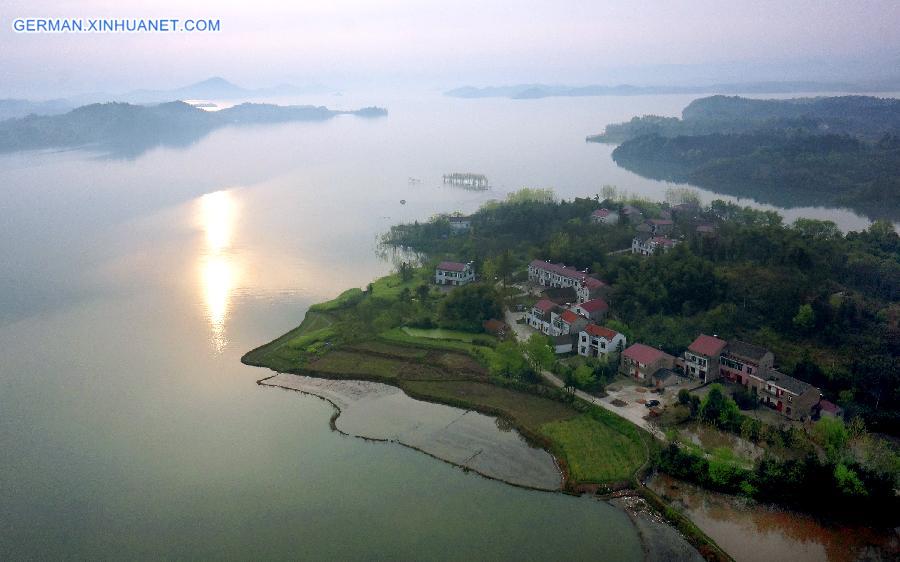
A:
641	361
595	309
566	322
453	273
605	216
594	341
540	315
701	359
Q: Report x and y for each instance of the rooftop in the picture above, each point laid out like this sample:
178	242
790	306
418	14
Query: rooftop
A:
643	353
746	350
600	213
660	222
451	266
594	305
559	269
601	331
707	345
569	317
545	305
789	383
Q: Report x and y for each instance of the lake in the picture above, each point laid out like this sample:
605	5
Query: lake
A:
131	286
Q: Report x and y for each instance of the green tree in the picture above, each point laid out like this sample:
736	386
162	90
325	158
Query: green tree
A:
405	269
832	435
540	354
583	377
507	361
805	320
717	408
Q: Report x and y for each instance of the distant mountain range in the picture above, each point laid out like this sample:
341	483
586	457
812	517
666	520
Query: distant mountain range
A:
536	91
215	88
128	130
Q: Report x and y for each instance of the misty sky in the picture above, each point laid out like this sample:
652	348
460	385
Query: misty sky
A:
358	43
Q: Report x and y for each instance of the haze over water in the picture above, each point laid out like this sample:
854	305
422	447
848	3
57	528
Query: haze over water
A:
130	287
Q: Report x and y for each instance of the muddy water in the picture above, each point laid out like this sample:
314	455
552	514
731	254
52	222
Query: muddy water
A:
759	533
464	438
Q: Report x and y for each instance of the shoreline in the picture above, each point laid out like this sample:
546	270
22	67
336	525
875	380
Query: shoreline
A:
338	411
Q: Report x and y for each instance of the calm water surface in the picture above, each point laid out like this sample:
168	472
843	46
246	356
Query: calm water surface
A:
130	287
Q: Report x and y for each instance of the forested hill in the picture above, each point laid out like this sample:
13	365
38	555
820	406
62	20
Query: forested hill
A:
863	117
837	152
128	128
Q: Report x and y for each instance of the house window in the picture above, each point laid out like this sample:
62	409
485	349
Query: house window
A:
749	370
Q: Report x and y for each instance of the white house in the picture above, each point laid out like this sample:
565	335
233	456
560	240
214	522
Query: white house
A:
647	245
540	316
454	273
605	216
596	341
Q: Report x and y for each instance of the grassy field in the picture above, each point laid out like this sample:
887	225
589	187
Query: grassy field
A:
595	451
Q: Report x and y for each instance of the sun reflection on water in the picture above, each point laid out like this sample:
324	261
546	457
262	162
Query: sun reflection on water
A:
218	271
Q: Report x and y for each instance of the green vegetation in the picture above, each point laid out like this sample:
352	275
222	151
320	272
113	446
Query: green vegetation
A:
757	280
388	333
595	452
835	151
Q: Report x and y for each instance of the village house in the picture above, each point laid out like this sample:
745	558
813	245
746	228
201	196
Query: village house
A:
740	359
641	361
753	367
706	230
454	273
566	322
659	227
701	360
595	309
596	341
605	216
558	275
540	315
460	224
647	245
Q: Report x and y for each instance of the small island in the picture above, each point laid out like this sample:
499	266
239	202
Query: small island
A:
610	330
131	129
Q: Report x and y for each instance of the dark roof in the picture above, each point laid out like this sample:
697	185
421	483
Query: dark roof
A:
593	283
663	241
642	237
789	383
660	222
746	350
561	340
545	305
451	266
707	345
495	326
600	213
560	295
559	269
